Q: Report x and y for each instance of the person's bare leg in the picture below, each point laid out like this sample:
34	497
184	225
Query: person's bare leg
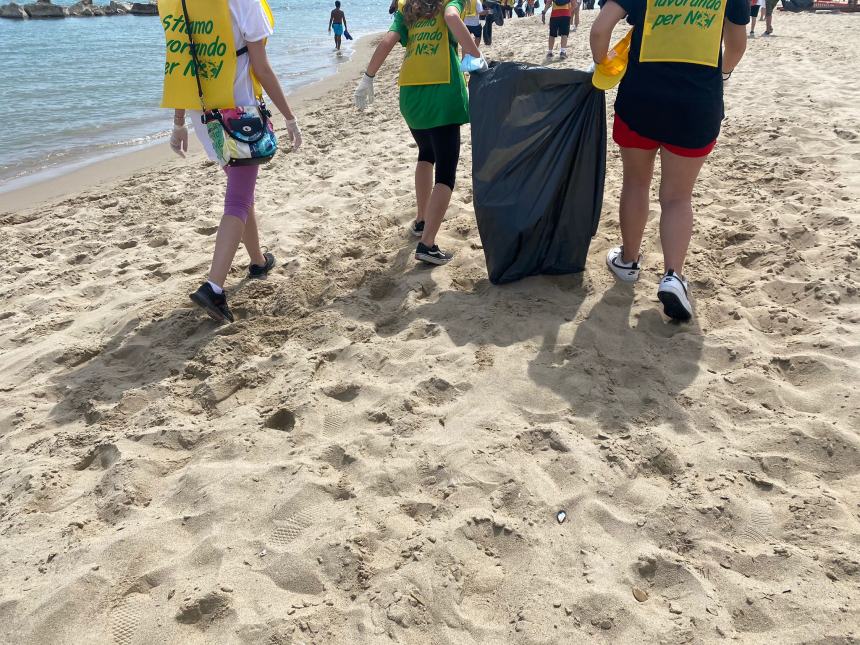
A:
576	18
768	19
678	177
423	188
752	24
564	42
226	242
635	199
551	44
436	209
251	240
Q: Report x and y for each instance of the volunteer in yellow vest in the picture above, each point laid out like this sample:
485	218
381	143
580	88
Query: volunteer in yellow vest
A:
433	101
230	42
669	101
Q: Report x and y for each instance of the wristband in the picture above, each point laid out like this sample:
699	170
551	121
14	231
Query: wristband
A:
368	75
727	75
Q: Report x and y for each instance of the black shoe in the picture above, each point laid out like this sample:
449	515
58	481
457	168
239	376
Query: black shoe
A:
432	255
256	271
417	228
212	303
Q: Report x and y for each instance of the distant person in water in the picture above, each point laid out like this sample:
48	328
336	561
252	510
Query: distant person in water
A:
337	22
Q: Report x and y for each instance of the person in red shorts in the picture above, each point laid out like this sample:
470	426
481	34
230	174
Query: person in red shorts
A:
559	24
670	102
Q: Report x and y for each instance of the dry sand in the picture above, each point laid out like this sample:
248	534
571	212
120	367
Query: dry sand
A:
376	452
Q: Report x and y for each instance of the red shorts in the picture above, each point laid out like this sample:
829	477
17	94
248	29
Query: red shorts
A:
627	138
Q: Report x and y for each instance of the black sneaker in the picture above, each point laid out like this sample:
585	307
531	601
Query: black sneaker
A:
432	255
256	271
674	293
417	228
212	303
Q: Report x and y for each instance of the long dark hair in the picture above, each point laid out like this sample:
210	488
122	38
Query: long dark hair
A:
415	10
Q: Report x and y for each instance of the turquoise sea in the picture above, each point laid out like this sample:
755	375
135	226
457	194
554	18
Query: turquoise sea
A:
86	88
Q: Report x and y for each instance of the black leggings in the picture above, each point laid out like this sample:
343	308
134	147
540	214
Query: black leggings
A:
440	147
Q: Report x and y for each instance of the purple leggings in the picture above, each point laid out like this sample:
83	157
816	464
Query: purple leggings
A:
239	198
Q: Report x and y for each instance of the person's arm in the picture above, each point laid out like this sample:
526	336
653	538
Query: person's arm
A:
330	20
601	29
461	33
389	40
179	136
734	34
735	44
345	28
264	73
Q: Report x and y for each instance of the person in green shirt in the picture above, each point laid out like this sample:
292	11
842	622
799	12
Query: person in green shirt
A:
433	101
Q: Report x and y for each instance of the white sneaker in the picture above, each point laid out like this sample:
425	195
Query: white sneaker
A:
674	294
625	271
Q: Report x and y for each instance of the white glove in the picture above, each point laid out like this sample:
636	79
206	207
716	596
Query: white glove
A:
472	65
295	134
364	92
179	140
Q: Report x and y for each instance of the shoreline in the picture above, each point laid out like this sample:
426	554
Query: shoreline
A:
85	175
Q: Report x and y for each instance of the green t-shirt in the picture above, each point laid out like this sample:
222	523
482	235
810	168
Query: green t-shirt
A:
431	106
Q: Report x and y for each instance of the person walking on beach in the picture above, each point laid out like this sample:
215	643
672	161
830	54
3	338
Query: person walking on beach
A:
337	22
755	7
559	24
237	32
433	101
770	6
472	19
670	101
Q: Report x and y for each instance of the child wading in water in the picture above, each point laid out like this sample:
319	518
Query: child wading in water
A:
433	101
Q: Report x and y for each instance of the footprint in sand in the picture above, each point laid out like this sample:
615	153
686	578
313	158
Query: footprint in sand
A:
286	531
130	620
333	423
336	456
758	526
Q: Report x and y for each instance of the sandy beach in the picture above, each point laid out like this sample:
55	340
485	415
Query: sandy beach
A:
377	453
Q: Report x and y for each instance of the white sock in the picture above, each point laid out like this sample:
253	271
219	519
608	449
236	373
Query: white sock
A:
218	290
562	51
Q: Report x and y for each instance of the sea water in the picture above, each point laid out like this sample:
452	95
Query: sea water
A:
79	89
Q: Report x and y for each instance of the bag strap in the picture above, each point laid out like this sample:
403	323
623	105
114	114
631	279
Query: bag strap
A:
193	54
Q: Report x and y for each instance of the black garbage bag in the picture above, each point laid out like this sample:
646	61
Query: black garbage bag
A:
538	166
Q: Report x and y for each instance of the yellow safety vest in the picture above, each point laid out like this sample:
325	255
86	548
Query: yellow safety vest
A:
212	32
683	31
470	10
428	52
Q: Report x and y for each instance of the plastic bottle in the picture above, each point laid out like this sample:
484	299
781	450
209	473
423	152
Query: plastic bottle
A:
611	69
